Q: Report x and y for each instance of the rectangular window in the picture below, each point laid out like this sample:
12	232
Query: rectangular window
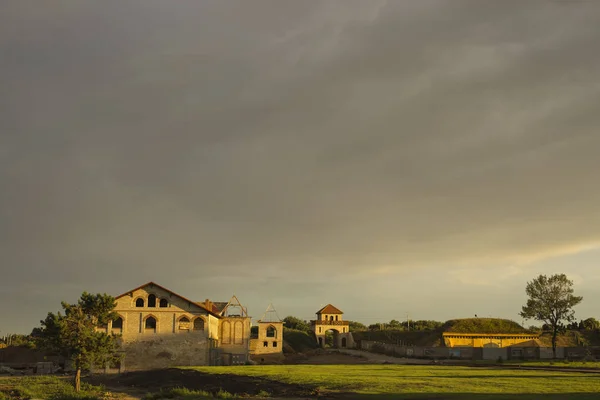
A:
265	344
274	344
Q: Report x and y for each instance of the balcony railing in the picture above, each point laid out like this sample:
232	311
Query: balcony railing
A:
326	322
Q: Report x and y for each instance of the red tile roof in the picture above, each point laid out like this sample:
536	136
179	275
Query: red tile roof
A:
329	309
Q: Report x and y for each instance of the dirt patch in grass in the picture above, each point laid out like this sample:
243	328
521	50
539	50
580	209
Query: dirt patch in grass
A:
142	382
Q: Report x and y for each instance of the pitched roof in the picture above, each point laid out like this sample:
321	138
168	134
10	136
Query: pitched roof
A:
219	306
171	292
234	303
329	309
270	315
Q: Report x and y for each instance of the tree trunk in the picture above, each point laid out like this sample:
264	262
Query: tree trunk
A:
78	378
554	334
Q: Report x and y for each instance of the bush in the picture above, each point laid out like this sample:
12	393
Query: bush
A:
299	341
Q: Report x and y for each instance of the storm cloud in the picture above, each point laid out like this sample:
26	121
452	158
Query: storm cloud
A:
352	152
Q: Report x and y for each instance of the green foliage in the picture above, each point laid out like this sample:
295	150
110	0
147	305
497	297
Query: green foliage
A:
483	325
296	324
589	324
550	300
394	324
356	326
419	325
75	334
401	337
423	325
300	341
179	393
222	394
18	340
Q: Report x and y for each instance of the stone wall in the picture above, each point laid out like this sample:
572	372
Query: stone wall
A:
162	351
265	343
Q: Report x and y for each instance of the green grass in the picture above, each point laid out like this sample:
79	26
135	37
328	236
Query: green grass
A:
544	363
561	364
400	381
46	387
179	393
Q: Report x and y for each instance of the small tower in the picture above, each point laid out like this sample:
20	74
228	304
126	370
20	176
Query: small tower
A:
329	318
234	329
270	334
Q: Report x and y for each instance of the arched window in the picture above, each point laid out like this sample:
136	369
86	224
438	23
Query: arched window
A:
330	318
139	302
117	325
198	324
271	331
336	317
184	325
152	301
150	324
164	303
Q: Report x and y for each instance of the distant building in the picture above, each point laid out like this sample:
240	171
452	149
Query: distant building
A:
268	344
329	318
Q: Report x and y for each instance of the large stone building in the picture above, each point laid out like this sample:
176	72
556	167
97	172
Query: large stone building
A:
161	328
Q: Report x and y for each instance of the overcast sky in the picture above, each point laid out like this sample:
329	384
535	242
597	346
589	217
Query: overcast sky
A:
389	157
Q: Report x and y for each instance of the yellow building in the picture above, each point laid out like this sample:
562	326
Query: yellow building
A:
329	318
268	343
454	339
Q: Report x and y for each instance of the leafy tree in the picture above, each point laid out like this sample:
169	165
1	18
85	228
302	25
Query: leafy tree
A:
394	324
422	325
590	324
296	323
356	326
376	327
75	334
551	301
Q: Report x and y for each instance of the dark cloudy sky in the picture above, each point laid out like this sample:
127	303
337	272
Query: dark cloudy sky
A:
390	157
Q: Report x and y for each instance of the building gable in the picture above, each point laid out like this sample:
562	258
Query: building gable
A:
163	298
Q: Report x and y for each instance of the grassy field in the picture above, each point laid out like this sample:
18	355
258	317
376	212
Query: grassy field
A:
400	382
342	381
46	387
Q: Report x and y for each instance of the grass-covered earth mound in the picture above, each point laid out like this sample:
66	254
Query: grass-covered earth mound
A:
483	325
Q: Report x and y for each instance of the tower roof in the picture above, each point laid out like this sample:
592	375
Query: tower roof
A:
329	309
270	315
